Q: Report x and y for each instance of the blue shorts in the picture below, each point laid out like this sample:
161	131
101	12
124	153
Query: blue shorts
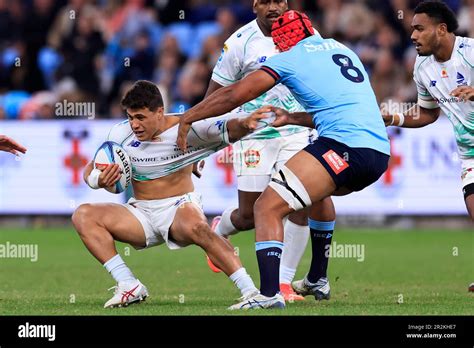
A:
353	168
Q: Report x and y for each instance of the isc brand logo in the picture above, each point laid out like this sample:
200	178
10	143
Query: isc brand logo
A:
262	59
274	253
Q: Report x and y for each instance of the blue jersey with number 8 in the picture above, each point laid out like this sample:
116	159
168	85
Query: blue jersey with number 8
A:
330	82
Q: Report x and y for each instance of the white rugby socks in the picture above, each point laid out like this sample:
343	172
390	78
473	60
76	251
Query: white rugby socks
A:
295	241
119	270
243	281
225	227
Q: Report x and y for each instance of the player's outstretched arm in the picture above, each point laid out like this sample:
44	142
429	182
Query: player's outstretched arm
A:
283	118
224	100
9	145
213	86
415	117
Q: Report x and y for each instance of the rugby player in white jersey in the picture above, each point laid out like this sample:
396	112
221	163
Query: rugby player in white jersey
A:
262	153
165	209
444	76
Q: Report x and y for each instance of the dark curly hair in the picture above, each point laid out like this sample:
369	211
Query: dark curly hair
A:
440	12
143	94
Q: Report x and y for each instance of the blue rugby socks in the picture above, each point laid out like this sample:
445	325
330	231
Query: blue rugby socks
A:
321	236
268	256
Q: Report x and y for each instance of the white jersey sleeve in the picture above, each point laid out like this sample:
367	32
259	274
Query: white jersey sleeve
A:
210	131
120	133
228	68
425	99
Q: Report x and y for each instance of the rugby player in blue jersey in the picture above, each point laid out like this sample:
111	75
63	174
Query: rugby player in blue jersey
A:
352	151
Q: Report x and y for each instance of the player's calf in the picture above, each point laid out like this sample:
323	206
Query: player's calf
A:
242	218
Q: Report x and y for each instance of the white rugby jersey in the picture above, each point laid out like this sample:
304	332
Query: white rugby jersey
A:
244	52
435	81
161	157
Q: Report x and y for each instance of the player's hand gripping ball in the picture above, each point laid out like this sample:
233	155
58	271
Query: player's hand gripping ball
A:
110	153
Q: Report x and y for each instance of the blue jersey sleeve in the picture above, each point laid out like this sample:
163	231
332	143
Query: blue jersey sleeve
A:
279	66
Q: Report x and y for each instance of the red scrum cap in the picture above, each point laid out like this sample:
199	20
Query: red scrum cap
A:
290	28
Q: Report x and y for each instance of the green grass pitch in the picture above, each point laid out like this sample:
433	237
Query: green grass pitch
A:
403	273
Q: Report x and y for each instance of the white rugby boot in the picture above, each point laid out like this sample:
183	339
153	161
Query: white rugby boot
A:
320	290
126	293
258	301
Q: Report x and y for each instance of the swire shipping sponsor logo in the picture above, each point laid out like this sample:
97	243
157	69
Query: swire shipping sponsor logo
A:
444	100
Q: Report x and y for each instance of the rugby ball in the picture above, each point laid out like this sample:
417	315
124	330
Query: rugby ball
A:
112	153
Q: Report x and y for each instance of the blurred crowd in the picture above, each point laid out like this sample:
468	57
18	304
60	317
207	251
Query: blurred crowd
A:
91	51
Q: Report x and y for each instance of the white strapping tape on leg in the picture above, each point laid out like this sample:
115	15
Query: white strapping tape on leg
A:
299	195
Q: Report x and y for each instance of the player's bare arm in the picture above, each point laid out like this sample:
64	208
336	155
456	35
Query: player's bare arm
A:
238	128
225	100
415	117
284	118
465	93
9	145
213	86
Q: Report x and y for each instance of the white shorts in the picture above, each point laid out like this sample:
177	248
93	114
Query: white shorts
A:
157	216
255	160
467	174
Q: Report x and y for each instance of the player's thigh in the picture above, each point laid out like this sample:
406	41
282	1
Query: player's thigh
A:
189	224
301	181
291	145
316	180
116	219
